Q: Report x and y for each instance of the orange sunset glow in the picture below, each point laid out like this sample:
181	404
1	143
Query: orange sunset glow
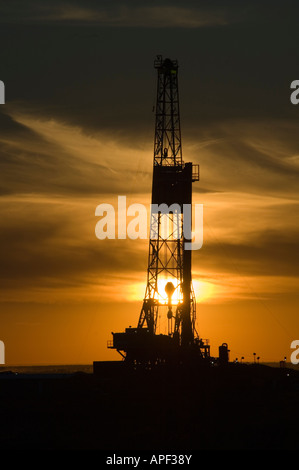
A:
77	130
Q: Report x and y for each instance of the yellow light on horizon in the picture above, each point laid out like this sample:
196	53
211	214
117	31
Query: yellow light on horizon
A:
161	295
204	291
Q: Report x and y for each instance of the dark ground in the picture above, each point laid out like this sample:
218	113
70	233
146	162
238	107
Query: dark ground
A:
237	407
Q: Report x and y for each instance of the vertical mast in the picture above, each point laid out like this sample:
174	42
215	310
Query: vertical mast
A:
169	264
168	146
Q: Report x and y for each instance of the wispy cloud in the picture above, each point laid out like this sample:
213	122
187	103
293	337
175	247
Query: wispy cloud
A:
46	156
54	174
253	156
119	15
144	17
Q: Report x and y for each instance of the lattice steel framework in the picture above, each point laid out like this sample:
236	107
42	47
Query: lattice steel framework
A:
168	145
168	260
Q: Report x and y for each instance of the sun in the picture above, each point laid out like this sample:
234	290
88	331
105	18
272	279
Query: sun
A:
204	291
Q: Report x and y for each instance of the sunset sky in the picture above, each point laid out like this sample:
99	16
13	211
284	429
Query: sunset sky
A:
77	130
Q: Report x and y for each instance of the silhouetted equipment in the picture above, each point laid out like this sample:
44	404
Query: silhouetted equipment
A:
223	354
169	262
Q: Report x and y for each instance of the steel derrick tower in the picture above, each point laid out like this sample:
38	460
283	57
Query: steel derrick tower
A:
169	295
169	264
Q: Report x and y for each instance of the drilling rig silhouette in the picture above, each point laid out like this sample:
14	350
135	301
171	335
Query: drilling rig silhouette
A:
169	294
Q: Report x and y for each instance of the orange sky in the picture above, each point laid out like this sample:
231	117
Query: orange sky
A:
66	290
77	130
